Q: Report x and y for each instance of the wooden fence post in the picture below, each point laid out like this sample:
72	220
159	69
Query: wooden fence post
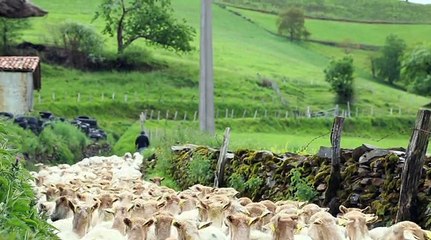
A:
335	177
53	96
78	99
232	113
348	109
185	116
244	113
255	114
412	170
125	97
167	114
151	114
175	115
194	117
287	114
103	97
142	118
308	112
113	96
219	174
158	116
227	113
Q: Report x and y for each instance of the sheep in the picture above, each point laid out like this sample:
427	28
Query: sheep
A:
163	223
100	232
62	209
190	230
405	230
356	225
120	212
157	180
82	216
213	211
323	227
309	210
244	201
137	228
239	226
144	209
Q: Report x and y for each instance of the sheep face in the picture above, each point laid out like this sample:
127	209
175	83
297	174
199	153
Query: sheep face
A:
137	228
307	211
189	230
82	216
157	180
61	210
187	203
172	204
355	222
163	225
283	226
120	212
51	193
323	227
213	211
144	209
239	226
245	201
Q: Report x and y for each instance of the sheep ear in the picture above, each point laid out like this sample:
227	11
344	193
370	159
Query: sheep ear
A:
204	225
202	205
227	205
162	204
71	205
326	209
265	214
108	210
149	223
253	221
343	209
130	208
302	204
371	219
229	218
152	180
366	209
94	207
162	178
128	222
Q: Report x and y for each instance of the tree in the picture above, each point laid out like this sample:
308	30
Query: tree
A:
339	74
388	65
10	32
416	70
292	22
79	41
152	20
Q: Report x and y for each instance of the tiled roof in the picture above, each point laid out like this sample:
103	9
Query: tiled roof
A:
19	64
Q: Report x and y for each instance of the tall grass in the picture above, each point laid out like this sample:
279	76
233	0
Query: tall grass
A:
18	216
57	143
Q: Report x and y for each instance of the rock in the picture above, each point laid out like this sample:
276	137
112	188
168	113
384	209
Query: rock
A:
376	153
321	187
363	172
377	182
325	152
366	181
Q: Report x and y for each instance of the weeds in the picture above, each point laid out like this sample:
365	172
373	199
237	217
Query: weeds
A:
300	189
18	216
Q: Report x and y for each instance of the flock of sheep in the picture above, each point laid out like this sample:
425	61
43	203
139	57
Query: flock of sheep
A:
106	198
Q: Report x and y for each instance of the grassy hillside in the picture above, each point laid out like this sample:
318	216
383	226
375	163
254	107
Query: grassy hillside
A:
368	10
337	31
243	52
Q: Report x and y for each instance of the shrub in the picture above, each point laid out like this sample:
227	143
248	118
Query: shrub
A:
18	216
301	190
58	143
200	170
79	41
237	181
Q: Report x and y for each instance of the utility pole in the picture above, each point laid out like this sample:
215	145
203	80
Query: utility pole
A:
206	84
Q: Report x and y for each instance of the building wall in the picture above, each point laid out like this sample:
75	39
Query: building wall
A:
16	92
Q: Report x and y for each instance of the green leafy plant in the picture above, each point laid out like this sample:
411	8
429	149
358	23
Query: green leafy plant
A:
237	181
200	170
300	189
18	216
253	185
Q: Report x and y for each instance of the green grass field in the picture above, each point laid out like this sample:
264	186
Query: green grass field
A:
242	51
359	33
294	139
362	10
